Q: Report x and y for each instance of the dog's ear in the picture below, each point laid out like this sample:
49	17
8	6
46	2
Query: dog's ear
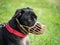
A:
18	13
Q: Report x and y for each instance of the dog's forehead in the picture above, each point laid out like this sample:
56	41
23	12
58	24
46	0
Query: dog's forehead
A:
27	9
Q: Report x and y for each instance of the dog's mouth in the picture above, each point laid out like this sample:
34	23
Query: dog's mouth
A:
37	28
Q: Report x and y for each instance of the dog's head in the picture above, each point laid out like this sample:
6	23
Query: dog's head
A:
26	18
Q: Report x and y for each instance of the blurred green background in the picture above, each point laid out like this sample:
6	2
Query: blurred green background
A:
48	12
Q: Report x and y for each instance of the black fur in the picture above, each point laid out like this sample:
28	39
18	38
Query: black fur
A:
26	17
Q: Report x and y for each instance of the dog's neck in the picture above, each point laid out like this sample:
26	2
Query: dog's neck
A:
13	24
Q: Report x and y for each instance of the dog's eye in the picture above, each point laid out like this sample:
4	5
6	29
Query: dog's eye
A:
29	20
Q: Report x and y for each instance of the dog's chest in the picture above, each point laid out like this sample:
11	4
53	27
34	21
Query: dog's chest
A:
25	41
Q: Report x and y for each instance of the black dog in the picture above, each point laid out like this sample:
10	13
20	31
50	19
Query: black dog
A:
15	31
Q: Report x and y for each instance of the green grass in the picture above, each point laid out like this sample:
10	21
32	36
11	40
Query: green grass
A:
48	13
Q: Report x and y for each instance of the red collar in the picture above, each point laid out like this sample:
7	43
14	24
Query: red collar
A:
15	32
